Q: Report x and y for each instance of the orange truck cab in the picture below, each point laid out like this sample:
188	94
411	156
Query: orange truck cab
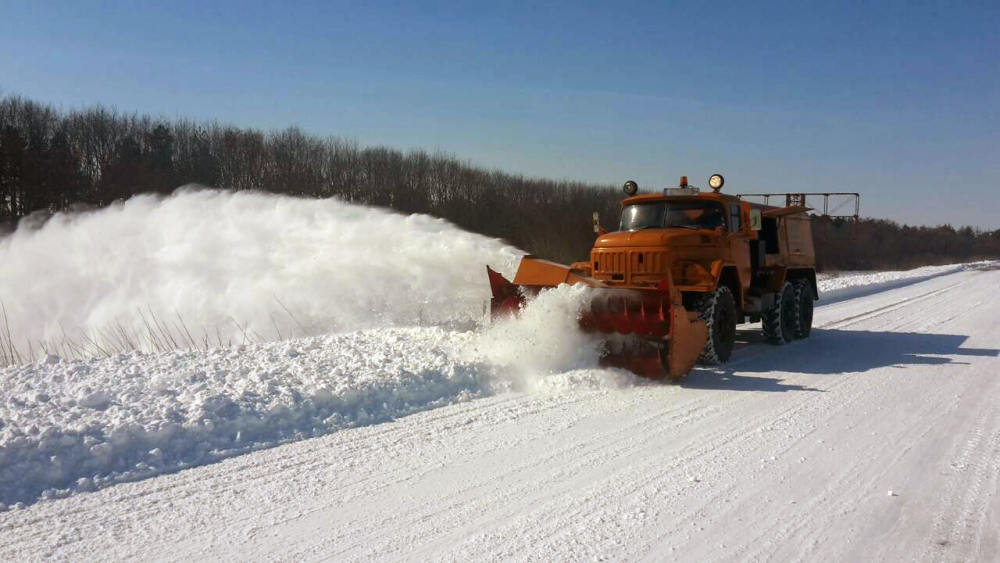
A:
732	260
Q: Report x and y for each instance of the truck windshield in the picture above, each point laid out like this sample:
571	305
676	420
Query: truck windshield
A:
684	214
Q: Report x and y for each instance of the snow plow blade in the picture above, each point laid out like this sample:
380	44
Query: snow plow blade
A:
649	331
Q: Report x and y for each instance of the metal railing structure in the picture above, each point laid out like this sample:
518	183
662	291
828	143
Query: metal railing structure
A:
841	200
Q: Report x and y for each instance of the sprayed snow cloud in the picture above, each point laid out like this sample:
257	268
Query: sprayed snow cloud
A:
237	265
544	343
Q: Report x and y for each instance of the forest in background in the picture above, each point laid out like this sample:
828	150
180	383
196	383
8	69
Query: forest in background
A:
53	160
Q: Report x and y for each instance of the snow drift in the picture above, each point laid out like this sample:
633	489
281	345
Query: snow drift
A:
77	425
82	424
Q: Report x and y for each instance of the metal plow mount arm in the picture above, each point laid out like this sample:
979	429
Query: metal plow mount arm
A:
650	332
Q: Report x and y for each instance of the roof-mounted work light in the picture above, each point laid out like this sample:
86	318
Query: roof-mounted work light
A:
716	181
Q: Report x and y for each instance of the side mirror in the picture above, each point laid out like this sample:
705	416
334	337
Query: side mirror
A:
755	221
597	222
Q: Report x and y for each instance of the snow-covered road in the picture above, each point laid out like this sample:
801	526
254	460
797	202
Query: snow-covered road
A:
878	439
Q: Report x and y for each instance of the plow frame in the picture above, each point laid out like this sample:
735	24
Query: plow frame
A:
651	333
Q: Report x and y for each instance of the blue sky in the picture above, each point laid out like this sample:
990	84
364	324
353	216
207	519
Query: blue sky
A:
896	100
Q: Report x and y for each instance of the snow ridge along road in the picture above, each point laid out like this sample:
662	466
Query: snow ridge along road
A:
878	439
75	426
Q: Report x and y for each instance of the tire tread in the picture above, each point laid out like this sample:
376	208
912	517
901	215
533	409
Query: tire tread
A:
706	307
774	333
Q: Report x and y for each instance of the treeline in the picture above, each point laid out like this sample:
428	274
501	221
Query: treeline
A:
52	160
878	244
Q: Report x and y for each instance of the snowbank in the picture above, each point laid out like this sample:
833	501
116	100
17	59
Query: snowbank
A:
82	424
76	425
850	285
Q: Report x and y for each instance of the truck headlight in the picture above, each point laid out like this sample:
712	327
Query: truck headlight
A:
716	181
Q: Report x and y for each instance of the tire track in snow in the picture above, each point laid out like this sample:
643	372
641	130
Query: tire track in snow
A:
863	484
934	408
444	508
881	311
756	546
715	444
572	458
358	445
692	461
960	528
845	476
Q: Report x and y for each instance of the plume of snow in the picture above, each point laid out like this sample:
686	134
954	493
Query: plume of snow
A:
543	349
231	264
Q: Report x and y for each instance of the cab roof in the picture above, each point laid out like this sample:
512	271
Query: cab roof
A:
710	196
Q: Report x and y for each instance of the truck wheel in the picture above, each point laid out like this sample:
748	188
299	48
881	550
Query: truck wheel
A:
804	296
718	310
781	323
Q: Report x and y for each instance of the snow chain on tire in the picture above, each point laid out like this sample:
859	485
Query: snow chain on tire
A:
782	323
709	307
804	297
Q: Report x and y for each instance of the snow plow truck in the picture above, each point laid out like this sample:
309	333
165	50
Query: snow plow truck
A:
682	270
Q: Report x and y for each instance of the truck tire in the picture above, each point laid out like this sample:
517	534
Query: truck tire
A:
718	310
782	322
804	296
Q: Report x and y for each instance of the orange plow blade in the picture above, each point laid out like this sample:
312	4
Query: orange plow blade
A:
649	331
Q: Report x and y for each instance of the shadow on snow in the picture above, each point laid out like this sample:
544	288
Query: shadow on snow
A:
831	351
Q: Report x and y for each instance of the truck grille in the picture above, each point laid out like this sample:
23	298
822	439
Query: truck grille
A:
647	262
610	261
622	265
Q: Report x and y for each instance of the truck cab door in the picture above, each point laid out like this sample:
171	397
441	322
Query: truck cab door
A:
739	243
